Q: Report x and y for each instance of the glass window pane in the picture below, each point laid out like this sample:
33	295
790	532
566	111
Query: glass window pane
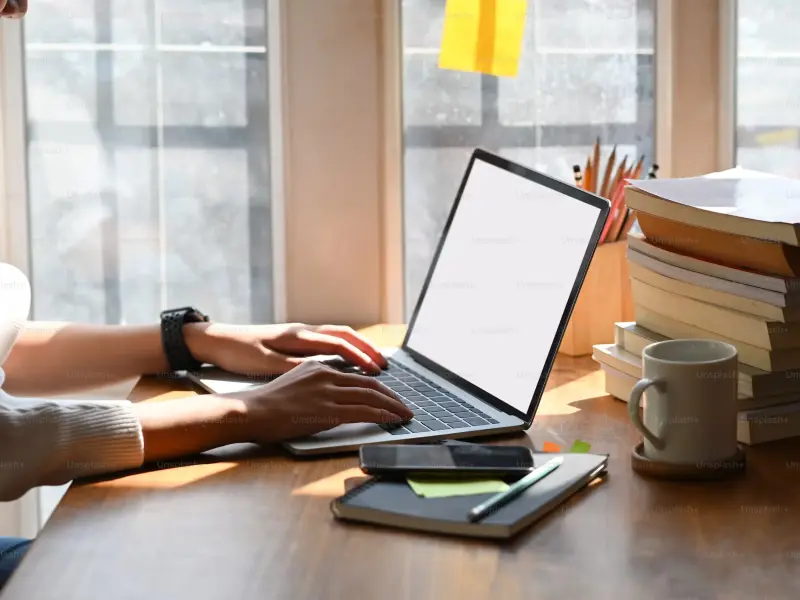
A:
586	70
148	159
768	87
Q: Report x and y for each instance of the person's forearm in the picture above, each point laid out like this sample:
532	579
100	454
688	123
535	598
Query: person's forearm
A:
190	425
63	357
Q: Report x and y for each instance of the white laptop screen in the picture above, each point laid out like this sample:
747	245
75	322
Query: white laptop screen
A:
503	278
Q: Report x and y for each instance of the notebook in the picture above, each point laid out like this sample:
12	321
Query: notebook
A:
737	201
392	503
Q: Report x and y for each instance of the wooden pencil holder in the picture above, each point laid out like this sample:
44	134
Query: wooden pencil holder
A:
605	299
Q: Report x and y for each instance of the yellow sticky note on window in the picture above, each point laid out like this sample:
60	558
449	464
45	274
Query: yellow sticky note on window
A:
483	36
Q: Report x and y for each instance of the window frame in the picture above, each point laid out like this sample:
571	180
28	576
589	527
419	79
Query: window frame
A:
13	141
695	86
679	79
360	155
728	53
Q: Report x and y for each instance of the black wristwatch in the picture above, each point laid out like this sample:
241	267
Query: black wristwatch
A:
172	340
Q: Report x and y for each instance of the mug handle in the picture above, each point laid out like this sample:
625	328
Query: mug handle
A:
634	401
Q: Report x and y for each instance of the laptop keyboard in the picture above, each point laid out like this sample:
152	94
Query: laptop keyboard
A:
435	409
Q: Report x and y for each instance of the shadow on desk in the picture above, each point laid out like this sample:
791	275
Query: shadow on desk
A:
234	472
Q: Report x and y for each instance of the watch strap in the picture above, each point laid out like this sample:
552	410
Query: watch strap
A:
173	341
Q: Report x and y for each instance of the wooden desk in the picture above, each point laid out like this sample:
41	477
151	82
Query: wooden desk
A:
239	524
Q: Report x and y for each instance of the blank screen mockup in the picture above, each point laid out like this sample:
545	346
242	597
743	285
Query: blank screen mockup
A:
502	281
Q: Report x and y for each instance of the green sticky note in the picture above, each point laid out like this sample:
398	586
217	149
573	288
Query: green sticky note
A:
579	446
431	488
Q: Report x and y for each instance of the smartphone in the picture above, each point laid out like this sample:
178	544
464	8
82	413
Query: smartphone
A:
444	460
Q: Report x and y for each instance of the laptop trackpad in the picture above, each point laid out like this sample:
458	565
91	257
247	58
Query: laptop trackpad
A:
348	432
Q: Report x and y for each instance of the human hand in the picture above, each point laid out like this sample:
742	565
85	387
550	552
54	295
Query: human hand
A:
305	401
275	349
13	9
314	398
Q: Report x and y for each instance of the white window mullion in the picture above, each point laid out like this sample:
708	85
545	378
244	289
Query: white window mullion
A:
13	149
693	120
728	27
392	242
664	88
333	126
276	73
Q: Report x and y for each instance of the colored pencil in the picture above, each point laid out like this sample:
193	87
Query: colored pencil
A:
618	178
604	189
622	211
587	175
596	165
612	214
622	224
619	218
637	172
629	221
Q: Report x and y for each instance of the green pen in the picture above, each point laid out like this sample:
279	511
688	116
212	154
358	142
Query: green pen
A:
480	511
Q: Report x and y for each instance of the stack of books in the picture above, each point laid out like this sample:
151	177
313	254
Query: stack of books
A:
718	258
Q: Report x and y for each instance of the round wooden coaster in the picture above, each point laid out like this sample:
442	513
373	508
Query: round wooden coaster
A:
703	470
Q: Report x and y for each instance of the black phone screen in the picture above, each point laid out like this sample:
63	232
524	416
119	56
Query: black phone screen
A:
445	458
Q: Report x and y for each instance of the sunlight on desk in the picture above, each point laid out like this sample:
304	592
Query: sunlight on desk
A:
172	474
331	486
557	400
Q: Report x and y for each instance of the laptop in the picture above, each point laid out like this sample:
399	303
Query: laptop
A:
491	314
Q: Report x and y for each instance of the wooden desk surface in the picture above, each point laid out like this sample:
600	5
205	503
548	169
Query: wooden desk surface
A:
245	524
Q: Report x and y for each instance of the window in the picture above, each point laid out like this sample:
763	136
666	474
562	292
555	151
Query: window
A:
148	174
587	70
767	99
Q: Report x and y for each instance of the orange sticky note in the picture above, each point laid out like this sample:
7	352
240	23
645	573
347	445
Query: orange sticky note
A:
483	36
550	447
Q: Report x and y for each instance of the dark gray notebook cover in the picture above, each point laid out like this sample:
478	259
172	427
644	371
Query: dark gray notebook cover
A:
394	503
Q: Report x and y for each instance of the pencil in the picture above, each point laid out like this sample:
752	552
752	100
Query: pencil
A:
587	175
637	172
609	169
619	218
622	211
629	221
618	178
622	224
653	171
629	171
613	215
576	171
596	164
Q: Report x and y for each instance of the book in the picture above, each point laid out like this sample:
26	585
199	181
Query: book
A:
736	201
712	282
733	250
752	427
619	384
768	424
392	503
767	360
631	365
708	292
753	382
787	286
759	332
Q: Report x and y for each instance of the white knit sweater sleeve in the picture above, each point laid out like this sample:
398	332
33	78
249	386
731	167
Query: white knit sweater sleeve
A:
49	442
